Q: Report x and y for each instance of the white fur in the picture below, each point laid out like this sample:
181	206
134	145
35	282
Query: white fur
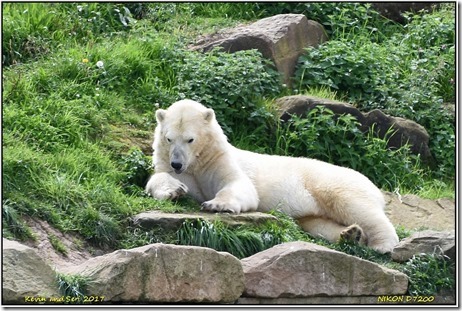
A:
324	198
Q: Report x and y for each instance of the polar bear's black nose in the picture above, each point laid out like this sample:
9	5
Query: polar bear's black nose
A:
176	165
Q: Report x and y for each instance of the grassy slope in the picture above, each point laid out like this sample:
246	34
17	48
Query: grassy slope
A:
73	131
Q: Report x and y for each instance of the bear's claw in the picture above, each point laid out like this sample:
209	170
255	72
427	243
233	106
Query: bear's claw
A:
214	207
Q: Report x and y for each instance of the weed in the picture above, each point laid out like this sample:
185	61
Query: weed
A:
428	274
72	285
57	244
13	225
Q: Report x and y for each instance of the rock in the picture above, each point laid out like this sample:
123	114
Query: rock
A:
428	242
164	273
280	38
173	221
407	131
26	277
394	10
300	269
415	213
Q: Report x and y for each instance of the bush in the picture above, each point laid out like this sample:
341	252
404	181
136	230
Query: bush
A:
409	74
338	140
429	274
231	84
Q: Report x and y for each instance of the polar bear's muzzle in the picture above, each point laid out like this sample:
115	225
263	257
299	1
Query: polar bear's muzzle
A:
177	161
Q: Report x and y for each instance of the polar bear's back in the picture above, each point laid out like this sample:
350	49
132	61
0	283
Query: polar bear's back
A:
308	180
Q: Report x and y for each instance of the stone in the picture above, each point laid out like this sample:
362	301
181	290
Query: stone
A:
280	38
159	273
173	221
301	269
407	131
395	10
26	278
416	213
427	242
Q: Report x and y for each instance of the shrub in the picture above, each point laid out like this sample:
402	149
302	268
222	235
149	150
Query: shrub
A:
231	84
410	74
338	140
429	274
137	168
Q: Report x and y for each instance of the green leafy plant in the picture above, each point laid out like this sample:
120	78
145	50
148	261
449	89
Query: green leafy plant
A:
72	285
137	167
429	274
338	140
229	83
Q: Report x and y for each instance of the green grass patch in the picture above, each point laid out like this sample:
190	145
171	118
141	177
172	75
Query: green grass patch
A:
72	286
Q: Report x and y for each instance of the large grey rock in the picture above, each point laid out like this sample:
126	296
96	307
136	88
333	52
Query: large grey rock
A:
300	269
407	131
164	273
416	213
280	38
428	242
25	276
173	221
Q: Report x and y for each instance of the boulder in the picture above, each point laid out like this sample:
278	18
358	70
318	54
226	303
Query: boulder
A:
416	213
300	269
407	131
158	273
428	242
173	221
280	38
395	10
26	277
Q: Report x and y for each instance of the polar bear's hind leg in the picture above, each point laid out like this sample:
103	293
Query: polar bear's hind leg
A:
332	231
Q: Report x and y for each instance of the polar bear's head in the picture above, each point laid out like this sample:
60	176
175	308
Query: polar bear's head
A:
184	132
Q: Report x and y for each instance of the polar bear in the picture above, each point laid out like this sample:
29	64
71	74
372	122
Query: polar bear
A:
193	156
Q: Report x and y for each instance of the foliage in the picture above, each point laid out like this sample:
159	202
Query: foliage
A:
229	83
57	244
72	285
242	241
429	274
338	140
137	167
12	224
81	83
408	73
32	29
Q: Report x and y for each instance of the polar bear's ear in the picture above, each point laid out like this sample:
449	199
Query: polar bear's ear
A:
160	115
209	115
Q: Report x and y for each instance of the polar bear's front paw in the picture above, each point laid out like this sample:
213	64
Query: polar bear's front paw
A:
354	233
171	193
217	206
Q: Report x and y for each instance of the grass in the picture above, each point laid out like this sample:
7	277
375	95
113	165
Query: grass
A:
57	244
72	286
81	84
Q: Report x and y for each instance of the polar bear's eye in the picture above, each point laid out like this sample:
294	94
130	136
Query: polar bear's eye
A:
191	140
168	139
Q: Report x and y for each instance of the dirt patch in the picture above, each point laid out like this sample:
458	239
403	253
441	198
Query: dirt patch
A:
74	250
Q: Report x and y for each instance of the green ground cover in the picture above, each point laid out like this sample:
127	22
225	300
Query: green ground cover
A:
81	83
